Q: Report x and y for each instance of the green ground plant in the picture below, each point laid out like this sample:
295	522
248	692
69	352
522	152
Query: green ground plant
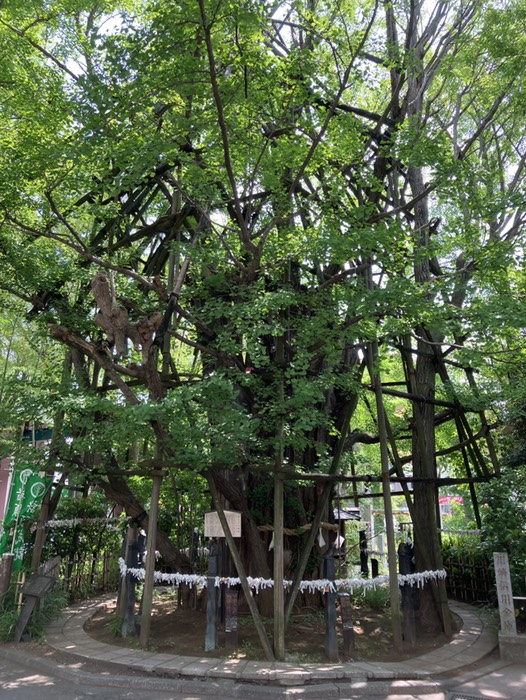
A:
114	625
53	605
374	598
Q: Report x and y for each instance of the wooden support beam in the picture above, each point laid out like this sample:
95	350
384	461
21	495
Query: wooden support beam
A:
414	397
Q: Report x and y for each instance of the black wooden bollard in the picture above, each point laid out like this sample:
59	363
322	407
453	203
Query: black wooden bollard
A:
211	604
405	566
364	560
331	640
347	624
129	623
231	599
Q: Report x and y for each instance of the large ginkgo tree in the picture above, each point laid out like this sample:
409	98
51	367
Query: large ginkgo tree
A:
252	223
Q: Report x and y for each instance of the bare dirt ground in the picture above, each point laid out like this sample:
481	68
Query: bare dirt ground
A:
179	630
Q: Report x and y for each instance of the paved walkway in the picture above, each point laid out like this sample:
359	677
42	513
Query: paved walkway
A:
416	676
464	669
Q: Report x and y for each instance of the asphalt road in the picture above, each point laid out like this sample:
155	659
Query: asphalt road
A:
21	682
25	677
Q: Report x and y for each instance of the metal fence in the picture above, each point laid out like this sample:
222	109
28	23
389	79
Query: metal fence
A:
469	579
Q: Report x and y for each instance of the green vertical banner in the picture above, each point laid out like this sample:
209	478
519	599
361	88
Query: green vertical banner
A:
27	491
14	505
19	548
4	539
36	487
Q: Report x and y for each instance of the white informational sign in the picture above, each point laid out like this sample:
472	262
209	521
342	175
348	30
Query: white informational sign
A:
508	625
213	526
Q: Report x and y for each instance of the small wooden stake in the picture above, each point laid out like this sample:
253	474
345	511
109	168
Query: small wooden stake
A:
231	618
347	624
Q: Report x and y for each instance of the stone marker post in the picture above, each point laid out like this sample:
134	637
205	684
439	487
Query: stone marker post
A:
508	625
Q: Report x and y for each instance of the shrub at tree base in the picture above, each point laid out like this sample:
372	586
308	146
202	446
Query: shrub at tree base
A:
51	608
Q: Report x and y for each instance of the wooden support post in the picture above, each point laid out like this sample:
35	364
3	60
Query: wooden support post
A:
279	590
279	515
396	622
147	598
211	603
223	572
106	571
6	569
331	640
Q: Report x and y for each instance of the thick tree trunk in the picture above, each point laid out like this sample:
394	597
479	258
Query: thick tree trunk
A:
253	549
117	490
427	548
434	613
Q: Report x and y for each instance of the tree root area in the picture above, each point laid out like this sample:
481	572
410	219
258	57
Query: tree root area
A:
181	631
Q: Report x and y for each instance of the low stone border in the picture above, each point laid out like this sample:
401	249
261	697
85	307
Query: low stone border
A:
513	648
473	642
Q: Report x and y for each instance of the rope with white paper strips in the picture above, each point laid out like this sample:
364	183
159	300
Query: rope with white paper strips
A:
71	522
322	585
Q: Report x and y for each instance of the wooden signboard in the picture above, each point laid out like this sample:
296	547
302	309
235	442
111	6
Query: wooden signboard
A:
213	527
36	588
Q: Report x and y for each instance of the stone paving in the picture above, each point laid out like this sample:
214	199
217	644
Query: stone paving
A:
474	641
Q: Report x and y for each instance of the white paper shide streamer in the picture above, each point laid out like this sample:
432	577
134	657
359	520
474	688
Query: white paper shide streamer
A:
347	585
